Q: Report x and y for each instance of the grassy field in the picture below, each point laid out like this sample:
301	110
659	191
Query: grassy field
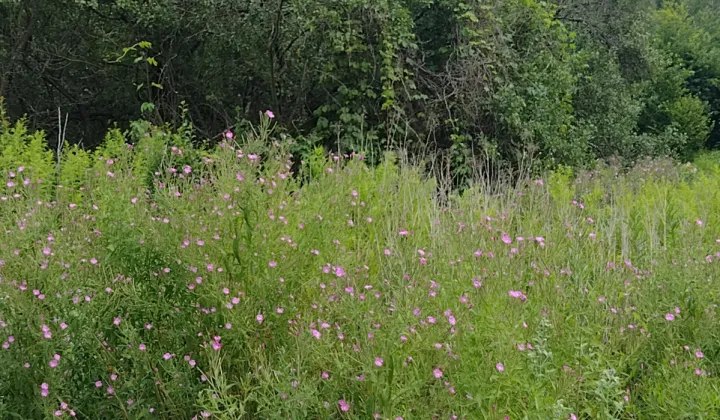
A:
162	281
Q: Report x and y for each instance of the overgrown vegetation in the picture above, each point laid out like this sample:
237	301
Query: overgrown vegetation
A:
153	279
562	81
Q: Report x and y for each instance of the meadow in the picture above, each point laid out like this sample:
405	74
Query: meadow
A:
151	279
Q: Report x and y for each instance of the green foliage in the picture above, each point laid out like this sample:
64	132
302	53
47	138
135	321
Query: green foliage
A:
74	166
25	161
608	114
485	83
212	282
690	115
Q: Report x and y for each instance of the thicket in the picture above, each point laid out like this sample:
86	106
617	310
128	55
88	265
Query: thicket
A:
561	82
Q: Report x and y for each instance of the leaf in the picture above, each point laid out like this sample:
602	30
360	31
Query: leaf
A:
147	107
157	85
470	16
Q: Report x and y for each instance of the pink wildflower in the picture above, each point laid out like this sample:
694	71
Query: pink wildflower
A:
344	406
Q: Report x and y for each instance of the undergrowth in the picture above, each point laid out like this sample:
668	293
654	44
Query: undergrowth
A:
150	279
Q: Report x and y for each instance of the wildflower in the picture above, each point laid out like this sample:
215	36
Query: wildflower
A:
669	317
270	114
316	334
378	362
517	295
500	367
437	373
506	239
54	361
344	406
167	356
259	318
699	354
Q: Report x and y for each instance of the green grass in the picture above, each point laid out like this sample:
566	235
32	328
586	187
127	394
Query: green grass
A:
353	287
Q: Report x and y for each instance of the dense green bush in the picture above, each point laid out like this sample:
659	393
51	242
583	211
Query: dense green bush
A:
562	82
153	279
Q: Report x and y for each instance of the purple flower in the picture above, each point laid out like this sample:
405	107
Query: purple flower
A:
344	406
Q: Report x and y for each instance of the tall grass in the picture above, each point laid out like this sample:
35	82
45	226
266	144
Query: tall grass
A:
155	280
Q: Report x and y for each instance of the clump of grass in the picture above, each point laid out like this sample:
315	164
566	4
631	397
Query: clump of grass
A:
154	280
